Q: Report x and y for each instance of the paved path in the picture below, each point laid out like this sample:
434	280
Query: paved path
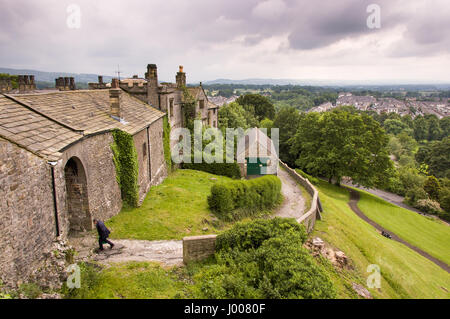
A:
294	203
166	252
393	199
354	198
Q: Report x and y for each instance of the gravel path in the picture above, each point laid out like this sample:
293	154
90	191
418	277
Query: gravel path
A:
294	203
354	198
166	252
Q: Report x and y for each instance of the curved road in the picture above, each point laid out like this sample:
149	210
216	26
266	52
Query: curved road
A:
353	203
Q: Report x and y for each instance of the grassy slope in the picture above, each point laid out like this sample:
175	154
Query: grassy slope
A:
172	210
429	235
405	274
134	280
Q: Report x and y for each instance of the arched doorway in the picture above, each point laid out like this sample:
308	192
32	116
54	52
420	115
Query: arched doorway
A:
77	196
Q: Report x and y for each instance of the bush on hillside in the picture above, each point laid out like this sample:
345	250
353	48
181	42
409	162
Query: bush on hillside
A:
313	180
428	205
263	259
236	199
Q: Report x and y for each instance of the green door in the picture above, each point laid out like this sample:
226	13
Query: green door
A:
257	168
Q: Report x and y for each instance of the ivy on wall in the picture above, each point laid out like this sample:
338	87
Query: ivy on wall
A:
127	167
189	109
166	143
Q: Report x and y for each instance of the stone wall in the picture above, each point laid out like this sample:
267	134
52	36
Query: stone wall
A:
104	196
140	142
157	161
198	247
309	218
27	222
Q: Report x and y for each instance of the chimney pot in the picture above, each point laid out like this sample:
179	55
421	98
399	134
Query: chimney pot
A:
115	83
100	79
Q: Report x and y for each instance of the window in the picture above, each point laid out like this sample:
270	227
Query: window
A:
144	149
202	104
171	107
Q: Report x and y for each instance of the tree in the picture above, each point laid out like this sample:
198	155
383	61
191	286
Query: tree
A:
439	158
267	124
393	126
286	120
434	129
338	143
420	128
432	187
259	105
232	115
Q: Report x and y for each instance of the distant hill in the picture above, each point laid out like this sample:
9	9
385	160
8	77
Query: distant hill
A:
334	83
42	76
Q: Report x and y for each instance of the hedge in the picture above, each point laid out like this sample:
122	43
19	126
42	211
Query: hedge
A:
263	259
224	169
237	199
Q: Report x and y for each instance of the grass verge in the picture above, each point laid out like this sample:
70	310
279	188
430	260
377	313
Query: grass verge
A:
404	273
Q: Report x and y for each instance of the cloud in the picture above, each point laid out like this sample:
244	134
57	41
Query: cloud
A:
241	35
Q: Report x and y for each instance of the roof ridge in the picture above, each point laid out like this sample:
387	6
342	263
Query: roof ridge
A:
41	113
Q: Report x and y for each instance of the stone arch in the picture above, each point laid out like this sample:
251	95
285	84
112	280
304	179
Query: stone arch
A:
77	203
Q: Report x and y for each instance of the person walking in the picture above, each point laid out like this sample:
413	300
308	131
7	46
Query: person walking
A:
103	234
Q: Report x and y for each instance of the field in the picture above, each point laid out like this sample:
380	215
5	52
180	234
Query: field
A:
404	273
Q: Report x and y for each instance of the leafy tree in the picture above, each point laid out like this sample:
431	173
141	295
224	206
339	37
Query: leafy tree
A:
267	124
439	158
287	121
232	115
432	187
420	128
259	105
338	143
434	129
393	126
444	123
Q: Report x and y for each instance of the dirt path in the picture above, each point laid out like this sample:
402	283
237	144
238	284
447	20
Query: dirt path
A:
294	203
353	203
166	252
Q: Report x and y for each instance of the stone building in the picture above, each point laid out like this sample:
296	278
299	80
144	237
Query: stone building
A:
56	166
169	97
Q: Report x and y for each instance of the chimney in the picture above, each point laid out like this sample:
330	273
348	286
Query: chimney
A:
181	78
152	85
100	79
66	83
72	85
114	98
5	84
22	86
32	84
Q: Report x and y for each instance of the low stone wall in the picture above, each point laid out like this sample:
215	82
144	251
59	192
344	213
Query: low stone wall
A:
309	218
198	247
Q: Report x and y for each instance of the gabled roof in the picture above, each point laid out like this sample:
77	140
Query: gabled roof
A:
257	144
47	122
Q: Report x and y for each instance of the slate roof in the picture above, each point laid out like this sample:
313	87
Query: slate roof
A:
46	122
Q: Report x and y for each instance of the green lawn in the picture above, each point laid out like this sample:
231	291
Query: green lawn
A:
132	280
428	234
171	210
405	274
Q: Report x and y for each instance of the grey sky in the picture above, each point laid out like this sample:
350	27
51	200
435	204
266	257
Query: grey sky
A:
298	39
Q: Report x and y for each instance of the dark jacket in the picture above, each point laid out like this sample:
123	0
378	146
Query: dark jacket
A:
103	232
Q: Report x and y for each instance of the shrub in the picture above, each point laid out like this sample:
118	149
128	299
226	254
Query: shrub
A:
428	206
444	199
263	259
251	235
414	194
432	187
236	199
231	170
313	180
